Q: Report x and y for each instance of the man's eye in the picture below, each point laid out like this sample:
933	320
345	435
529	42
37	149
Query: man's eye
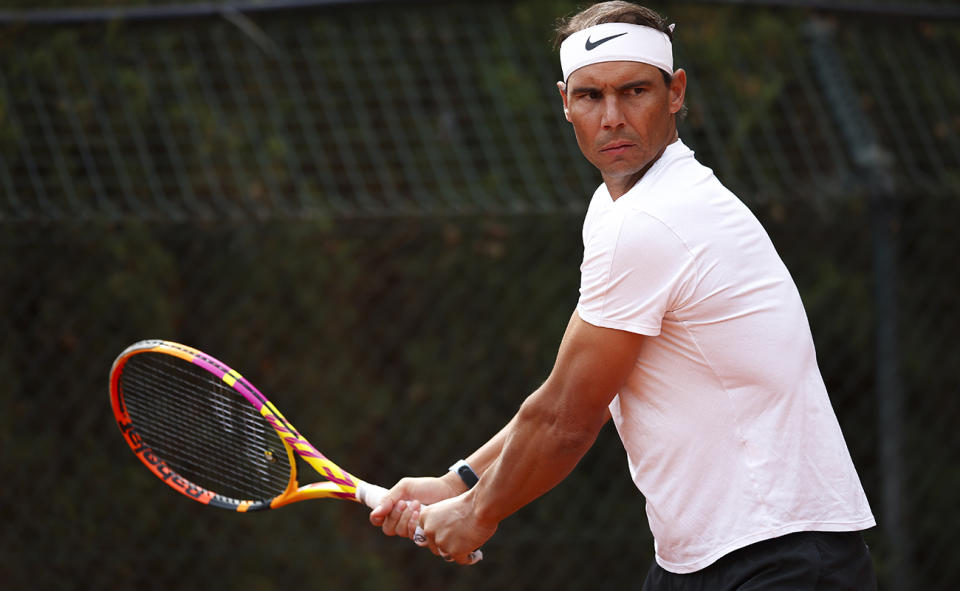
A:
638	90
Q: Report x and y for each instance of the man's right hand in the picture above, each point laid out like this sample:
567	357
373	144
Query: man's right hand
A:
399	512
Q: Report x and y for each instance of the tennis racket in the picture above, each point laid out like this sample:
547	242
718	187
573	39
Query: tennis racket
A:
208	433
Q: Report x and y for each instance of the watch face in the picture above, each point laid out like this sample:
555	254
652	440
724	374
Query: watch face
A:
466	474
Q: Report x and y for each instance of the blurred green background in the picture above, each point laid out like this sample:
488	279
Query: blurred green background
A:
373	211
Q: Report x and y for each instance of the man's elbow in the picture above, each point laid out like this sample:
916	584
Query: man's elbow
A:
570	431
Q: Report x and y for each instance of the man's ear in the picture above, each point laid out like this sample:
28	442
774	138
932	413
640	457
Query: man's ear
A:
678	90
563	95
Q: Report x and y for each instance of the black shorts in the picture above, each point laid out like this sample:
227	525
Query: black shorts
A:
803	561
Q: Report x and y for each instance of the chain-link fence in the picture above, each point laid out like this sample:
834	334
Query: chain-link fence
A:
372	210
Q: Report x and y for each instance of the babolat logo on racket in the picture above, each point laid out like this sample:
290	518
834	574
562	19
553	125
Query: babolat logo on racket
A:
159	466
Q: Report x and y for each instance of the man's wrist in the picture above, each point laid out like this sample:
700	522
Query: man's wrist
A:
454	483
465	473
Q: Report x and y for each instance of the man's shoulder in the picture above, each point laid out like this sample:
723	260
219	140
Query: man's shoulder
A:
680	170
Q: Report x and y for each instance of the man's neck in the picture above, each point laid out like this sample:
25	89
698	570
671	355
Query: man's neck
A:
618	186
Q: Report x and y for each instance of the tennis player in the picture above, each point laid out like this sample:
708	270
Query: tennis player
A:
690	333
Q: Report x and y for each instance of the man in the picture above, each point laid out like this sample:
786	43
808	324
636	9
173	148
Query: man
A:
691	335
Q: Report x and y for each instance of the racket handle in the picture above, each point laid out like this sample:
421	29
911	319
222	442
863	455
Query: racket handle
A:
371	495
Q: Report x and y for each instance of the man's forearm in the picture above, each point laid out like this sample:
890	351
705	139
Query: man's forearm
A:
541	445
537	450
482	459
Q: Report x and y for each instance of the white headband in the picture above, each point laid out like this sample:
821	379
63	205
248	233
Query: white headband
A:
616	42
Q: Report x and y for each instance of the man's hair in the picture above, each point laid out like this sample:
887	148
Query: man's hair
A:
616	11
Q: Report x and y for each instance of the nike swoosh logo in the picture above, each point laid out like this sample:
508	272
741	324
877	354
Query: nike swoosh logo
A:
591	45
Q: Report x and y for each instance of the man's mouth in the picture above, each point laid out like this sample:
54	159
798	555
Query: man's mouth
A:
615	147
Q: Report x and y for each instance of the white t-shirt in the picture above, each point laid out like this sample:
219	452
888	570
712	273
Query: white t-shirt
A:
729	432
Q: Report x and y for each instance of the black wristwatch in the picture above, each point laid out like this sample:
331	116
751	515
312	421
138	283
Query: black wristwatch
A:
466	473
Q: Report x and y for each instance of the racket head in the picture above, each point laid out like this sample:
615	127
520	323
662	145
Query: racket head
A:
207	432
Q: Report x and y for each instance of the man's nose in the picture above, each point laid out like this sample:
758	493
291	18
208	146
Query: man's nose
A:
612	113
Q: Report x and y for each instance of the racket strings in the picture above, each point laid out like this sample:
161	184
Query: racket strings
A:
241	474
203	429
253	421
195	448
250	437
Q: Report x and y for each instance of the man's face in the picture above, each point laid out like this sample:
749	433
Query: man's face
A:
622	115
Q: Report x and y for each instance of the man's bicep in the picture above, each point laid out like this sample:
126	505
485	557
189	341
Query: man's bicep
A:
593	363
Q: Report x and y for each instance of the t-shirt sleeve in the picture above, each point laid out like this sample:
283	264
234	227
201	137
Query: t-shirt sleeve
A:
635	269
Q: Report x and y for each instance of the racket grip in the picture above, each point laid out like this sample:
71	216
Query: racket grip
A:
371	495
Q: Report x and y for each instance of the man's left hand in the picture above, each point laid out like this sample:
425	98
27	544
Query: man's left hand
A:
452	530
